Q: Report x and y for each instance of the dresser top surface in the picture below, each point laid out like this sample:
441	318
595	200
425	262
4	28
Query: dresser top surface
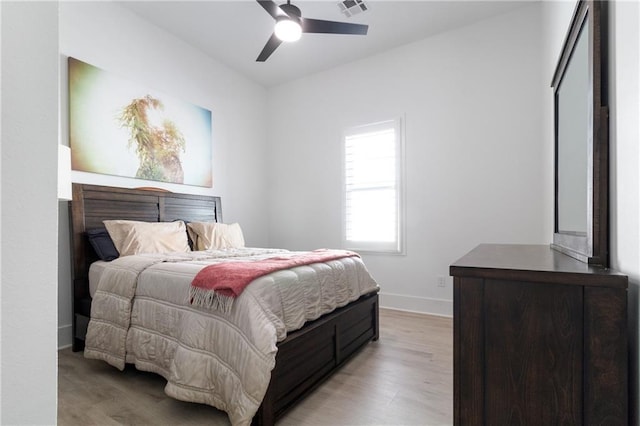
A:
493	260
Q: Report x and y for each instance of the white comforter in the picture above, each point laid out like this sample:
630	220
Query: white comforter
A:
141	314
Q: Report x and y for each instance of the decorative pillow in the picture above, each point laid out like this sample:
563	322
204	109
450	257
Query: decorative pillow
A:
216	236
102	244
133	237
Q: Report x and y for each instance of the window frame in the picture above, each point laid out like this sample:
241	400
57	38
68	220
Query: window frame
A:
376	247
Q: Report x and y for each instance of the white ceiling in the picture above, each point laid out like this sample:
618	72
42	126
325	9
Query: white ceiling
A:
234	32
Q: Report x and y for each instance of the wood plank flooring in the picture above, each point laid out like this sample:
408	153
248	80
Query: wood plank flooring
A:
406	378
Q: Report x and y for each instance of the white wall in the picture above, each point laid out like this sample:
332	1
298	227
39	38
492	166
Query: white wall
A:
477	170
116	40
30	78
624	91
0	220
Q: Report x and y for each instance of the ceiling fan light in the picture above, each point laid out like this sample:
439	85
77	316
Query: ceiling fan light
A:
287	29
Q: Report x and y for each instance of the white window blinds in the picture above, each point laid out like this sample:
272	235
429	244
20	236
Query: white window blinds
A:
372	170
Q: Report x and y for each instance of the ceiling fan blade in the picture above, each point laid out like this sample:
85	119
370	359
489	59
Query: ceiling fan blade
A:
268	49
319	26
272	8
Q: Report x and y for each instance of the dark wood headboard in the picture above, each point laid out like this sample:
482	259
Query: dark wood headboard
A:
92	204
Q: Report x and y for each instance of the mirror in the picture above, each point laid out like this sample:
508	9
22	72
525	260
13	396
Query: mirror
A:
573	121
581	138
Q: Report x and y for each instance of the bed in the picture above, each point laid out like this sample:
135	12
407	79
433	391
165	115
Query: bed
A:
304	358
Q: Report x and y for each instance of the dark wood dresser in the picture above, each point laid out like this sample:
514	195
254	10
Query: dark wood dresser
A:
539	339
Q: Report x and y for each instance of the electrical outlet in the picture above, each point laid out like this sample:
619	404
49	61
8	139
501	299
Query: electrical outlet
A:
441	281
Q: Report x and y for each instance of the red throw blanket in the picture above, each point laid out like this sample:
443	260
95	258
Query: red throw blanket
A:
215	286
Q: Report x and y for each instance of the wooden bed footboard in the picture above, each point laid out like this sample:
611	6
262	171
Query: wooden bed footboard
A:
308	357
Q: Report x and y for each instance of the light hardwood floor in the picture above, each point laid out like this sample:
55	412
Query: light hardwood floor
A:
405	378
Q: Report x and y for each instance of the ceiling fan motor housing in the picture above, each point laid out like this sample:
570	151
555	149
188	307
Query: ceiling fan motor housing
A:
292	11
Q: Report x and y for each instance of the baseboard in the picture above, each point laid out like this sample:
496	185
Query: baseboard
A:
423	305
65	336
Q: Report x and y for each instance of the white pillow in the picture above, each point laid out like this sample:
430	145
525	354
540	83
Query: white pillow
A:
133	237
215	236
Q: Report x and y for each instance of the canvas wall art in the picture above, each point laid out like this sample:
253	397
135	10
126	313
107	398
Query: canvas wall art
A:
117	127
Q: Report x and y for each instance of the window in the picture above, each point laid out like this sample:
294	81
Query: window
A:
373	187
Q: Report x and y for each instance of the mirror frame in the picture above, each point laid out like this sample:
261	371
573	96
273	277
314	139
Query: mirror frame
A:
592	248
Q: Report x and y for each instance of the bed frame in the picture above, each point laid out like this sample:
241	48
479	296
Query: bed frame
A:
304	359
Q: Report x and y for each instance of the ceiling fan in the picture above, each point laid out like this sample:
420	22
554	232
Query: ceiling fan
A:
290	25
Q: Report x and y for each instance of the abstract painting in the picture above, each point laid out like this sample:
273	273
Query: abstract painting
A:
119	128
